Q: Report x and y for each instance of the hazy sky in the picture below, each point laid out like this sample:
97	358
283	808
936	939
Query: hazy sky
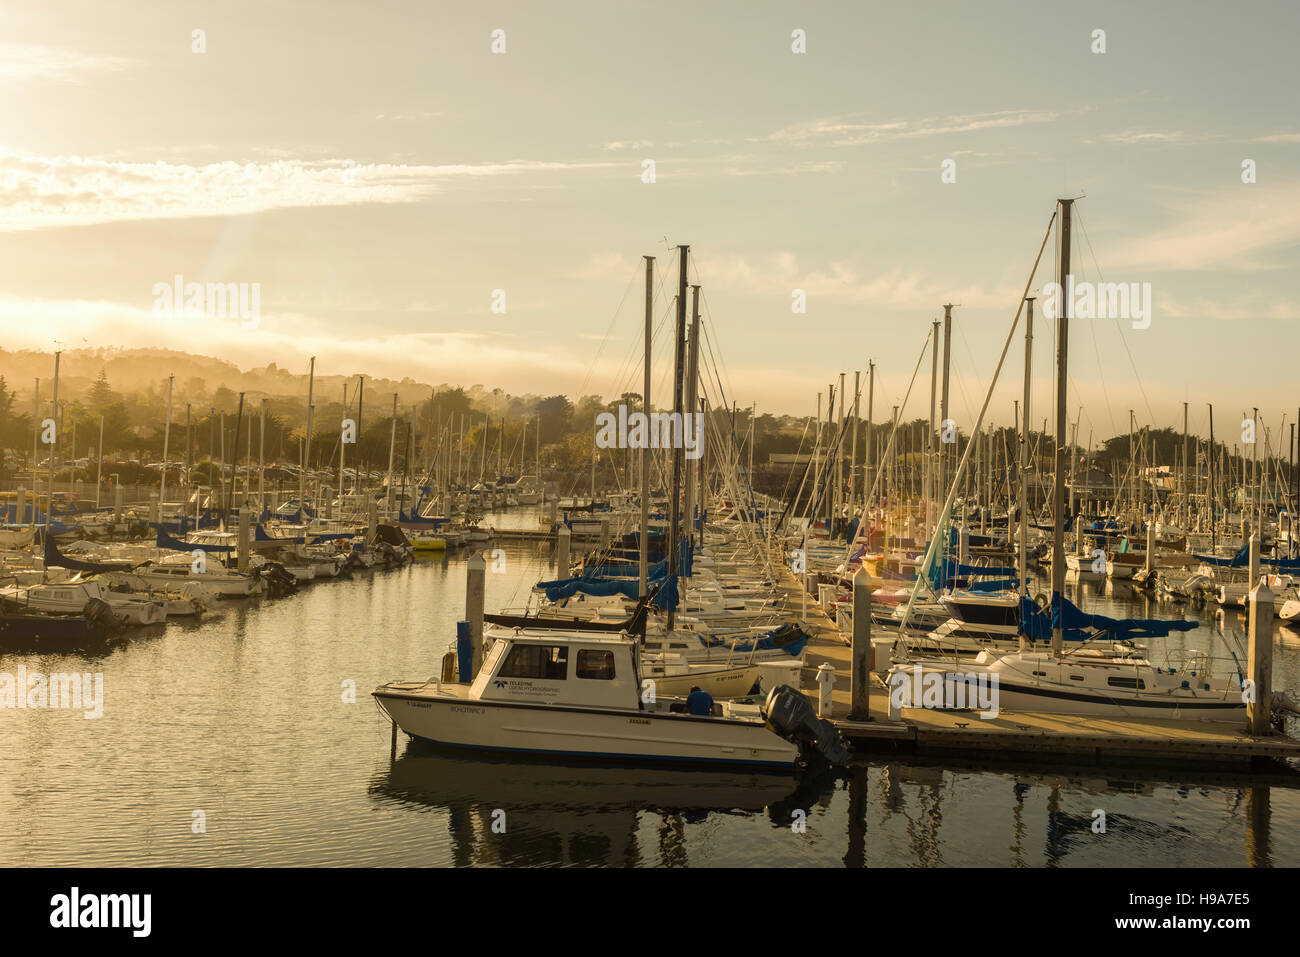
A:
379	172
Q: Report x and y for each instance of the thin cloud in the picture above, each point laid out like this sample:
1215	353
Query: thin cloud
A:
847	131
28	61
42	192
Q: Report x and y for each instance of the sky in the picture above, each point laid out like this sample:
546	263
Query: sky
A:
384	178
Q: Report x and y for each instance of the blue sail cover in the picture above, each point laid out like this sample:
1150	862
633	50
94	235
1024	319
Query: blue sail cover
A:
945	571
166	541
765	643
666	599
1236	561
1067	615
414	519
994	584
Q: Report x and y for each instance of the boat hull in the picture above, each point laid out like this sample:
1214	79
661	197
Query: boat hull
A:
454	721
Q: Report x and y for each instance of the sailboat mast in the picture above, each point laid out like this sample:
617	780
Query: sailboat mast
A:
1062	382
1024	449
688	408
943	407
674	505
54	417
928	470
643	587
392	445
306	444
1209	487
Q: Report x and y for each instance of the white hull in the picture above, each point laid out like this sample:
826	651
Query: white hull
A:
718	682
449	718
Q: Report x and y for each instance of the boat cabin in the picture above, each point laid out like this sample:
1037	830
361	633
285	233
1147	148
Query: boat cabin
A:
550	667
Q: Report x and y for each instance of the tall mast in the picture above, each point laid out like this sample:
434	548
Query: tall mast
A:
343	446
643	587
688	408
1209	487
674	505
261	460
234	466
1182	474
1024	450
853	450
943	408
167	434
869	451
1062	381
361	397
54	415
306	445
837	497
392	446
928	471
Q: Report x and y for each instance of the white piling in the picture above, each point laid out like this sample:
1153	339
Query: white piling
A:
1260	657
825	685
562	552
475	583
860	689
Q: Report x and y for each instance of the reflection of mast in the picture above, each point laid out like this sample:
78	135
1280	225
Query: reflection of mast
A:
1259	816
857	851
1054	852
1018	828
672	841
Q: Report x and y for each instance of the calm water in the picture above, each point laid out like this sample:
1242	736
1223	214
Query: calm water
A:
243	717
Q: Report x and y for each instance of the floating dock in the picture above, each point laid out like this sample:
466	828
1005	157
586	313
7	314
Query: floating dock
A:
1077	738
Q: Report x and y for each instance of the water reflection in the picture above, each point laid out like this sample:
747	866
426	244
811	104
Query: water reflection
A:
521	811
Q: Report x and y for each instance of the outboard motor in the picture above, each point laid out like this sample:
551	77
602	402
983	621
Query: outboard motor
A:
793	718
101	615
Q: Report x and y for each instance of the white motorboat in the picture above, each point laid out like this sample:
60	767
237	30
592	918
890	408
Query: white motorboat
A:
573	693
70	598
173	573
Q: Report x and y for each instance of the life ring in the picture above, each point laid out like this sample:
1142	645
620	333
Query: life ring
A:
1041	601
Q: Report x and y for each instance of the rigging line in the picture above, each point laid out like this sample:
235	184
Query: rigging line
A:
965	459
608	329
636	349
885	464
1122	338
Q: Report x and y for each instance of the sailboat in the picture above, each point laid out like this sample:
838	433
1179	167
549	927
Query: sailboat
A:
1087	679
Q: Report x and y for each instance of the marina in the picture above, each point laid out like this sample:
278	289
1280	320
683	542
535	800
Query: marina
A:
690	438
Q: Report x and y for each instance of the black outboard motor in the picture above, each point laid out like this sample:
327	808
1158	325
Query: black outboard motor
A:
101	616
793	718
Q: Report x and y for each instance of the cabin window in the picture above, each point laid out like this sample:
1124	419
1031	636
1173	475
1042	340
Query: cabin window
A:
1136	683
1076	677
595	664
549	662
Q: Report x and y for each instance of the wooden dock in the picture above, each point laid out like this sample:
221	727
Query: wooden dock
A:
1067	737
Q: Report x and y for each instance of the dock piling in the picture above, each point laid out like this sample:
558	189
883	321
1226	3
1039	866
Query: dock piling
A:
243	539
562	552
1260	654
475	583
860	688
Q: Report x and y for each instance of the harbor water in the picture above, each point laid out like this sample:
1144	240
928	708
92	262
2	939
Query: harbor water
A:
250	738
